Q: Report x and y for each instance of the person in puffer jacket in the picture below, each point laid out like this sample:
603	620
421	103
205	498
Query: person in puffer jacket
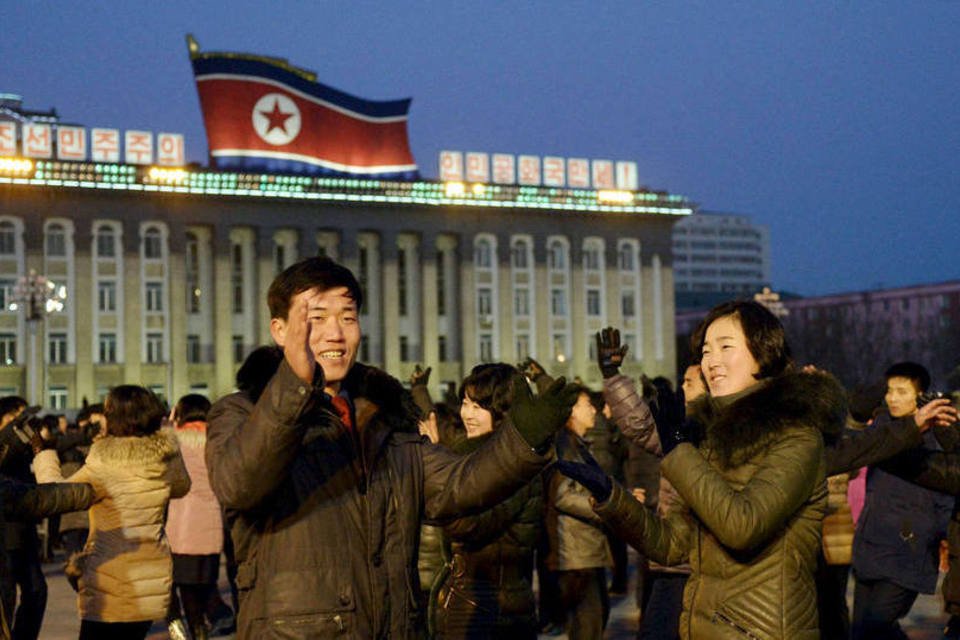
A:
125	567
753	493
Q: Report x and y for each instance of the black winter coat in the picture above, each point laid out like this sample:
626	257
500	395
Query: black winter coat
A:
326	526
489	586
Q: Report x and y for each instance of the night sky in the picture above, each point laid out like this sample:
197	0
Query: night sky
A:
835	123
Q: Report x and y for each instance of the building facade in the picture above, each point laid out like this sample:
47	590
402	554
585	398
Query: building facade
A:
166	273
718	256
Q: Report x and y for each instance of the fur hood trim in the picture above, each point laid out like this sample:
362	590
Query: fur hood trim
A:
747	426
136	450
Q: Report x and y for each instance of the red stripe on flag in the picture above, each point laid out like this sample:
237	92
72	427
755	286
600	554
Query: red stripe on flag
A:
325	134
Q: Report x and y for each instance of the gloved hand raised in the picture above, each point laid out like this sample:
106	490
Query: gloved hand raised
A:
587	473
610	353
420	376
538	418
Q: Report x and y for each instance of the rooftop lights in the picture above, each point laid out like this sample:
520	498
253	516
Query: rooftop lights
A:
15	166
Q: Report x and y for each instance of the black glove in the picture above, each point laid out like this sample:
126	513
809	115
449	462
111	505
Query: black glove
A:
420	376
587	473
531	369
538	418
610	353
669	412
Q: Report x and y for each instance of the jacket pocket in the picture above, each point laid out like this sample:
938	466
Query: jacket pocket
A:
723	618
333	624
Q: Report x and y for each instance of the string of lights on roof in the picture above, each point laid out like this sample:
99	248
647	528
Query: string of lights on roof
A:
128	177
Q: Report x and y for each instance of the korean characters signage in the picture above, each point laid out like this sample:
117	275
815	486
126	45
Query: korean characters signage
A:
69	142
547	171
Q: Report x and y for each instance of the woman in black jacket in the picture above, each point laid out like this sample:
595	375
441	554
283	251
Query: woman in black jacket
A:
487	590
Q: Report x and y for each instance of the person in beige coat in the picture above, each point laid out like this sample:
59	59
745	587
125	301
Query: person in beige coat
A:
125	567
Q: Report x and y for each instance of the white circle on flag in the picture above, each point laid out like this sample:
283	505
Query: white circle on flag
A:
276	119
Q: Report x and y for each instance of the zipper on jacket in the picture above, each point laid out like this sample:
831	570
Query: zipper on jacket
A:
719	616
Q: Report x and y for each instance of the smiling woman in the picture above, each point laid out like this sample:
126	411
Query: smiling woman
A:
753	492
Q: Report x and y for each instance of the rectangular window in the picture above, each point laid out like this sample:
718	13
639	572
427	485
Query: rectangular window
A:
8	239
8	348
57	348
628	304
523	346
593	302
192	274
402	281
236	277
154	347
106	244
239	354
626	257
56	243
363	276
107	348
155	296
193	349
57	397
107	296
630	339
558	302
442	348
484	303
591	259
441	284
559	347
152	245
592	347
6	294
404	349
364	349
279	258
486	347
521	302
518	256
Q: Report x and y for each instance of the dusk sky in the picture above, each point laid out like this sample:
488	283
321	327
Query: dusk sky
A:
837	124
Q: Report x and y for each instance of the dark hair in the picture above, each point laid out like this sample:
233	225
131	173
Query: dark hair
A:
491	387
132	411
257	370
914	372
766	339
192	407
320	272
11	404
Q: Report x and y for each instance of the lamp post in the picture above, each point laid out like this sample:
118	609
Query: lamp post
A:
36	296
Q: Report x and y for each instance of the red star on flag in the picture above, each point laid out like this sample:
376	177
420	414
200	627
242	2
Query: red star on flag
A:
278	119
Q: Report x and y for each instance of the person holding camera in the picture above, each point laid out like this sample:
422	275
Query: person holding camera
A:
897	541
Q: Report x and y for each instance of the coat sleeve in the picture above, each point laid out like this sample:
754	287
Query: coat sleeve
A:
570	498
936	470
454	485
250	447
666	539
863	448
487	525
746	518
631	413
178	477
33	502
46	468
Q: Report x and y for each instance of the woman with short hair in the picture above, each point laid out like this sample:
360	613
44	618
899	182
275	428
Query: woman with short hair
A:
135	468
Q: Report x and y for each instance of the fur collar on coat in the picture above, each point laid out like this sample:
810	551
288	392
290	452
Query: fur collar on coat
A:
739	430
159	446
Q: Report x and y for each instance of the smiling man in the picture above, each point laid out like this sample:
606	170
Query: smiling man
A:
326	478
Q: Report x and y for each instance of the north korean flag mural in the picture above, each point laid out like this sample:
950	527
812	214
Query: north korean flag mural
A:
263	114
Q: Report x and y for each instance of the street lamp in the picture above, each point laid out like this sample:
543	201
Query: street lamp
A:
36	296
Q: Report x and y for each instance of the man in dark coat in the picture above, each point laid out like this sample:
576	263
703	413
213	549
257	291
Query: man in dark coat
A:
326	479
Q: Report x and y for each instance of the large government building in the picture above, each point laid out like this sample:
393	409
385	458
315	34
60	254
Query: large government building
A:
165	272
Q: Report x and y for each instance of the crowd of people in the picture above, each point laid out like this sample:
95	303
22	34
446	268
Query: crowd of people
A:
348	504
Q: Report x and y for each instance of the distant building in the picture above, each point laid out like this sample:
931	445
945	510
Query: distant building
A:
718	256
856	336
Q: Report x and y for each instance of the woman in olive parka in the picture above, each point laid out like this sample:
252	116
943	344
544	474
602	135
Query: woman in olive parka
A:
752	494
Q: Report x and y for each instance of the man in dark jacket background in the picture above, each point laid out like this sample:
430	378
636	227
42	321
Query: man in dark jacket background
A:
326	479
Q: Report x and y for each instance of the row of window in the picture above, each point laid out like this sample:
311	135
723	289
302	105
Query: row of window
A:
521	252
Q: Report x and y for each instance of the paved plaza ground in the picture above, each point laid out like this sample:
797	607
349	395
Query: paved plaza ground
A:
925	622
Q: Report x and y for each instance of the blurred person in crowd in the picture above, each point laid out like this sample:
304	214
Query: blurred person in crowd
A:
751	496
21	542
897	541
124	571
194	527
326	478
487	590
579	553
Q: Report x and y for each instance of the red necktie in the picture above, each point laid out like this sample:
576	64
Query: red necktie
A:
343	408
